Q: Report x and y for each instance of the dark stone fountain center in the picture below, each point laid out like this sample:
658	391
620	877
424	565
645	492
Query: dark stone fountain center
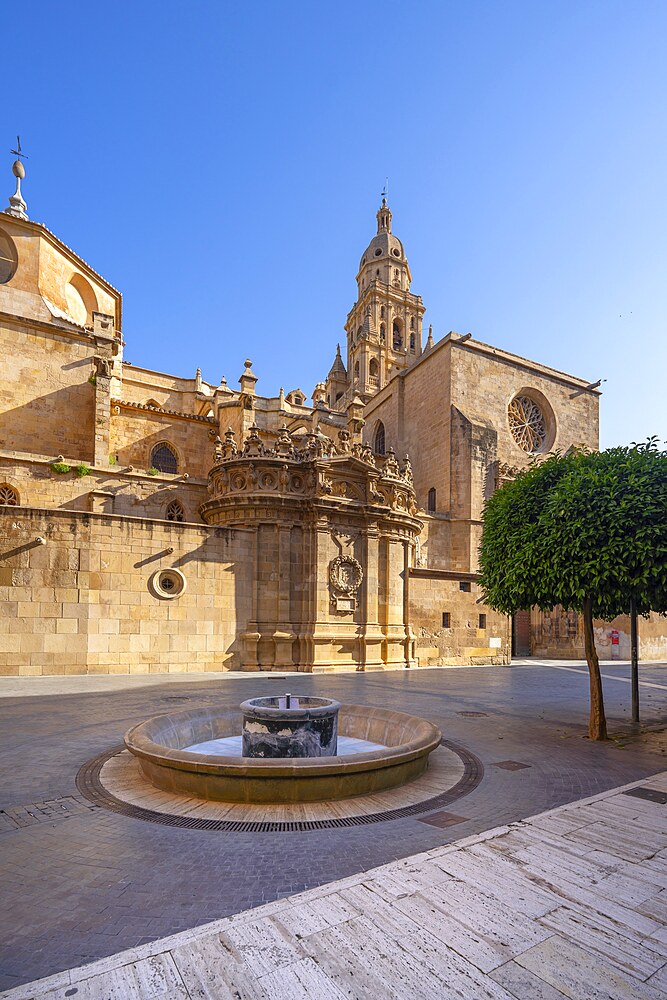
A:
290	726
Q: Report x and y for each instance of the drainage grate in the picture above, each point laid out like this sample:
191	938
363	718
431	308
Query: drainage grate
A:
473	715
89	785
651	794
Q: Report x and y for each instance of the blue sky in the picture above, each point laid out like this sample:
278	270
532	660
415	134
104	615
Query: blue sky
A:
221	163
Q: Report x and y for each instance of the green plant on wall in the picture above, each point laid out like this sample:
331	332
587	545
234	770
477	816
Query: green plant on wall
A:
82	470
152	471
92	379
113	460
61	468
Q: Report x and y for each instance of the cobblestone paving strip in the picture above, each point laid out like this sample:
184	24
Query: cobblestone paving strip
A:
527	911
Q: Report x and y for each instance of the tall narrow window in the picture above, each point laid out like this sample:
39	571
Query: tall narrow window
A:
163	458
446	619
379	446
383	333
482	621
412	341
431	500
398	337
356	369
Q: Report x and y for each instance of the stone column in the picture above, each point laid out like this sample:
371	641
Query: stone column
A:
372	638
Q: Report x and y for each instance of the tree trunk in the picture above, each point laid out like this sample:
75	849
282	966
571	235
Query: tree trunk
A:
597	724
634	662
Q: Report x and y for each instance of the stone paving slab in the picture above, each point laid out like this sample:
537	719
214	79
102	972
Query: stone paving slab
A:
568	903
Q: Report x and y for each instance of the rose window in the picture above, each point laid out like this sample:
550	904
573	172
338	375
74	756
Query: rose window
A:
527	423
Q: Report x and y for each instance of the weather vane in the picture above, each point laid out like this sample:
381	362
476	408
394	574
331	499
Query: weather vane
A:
385	189
18	152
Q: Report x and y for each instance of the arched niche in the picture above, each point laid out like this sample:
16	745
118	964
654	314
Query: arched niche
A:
81	300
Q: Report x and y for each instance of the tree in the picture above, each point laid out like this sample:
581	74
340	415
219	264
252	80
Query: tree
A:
587	531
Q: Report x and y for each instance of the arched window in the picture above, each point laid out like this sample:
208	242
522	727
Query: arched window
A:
356	369
412	341
379	444
175	511
412	322
381	312
163	458
431	500
374	368
8	495
397	335
360	331
383	333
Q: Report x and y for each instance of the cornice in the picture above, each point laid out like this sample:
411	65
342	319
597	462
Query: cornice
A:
160	411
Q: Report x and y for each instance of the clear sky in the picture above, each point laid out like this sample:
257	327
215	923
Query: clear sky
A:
221	163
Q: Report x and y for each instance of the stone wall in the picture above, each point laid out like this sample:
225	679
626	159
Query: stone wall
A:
47	404
134	433
109	491
433	593
560	634
83	601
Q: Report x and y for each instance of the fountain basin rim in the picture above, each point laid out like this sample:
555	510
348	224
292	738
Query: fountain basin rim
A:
139	742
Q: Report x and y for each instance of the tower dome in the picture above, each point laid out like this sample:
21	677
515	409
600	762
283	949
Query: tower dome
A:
384	244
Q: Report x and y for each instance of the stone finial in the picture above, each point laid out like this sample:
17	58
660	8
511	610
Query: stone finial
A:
391	469
248	378
228	448
198	380
253	446
429	342
17	206
319	393
284	446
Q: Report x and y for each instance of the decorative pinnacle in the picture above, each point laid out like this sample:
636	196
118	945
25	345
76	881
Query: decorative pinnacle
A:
17	206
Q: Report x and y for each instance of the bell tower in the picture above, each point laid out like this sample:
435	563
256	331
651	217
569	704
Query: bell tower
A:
384	326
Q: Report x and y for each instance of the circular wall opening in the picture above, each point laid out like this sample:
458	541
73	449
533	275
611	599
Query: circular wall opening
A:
167	583
531	421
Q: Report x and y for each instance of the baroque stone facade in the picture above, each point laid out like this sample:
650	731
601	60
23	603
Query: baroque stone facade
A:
153	522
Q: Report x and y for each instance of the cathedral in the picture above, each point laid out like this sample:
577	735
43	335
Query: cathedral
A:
155	523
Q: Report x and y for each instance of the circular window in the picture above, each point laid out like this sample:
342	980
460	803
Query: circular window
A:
396	253
378	252
167	583
8	258
527	424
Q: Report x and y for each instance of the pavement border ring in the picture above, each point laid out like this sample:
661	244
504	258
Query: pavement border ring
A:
89	784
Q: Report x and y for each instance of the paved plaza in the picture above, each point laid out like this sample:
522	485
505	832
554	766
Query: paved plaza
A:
80	882
571	903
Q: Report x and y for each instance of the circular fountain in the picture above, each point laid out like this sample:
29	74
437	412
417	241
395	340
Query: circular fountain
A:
292	755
